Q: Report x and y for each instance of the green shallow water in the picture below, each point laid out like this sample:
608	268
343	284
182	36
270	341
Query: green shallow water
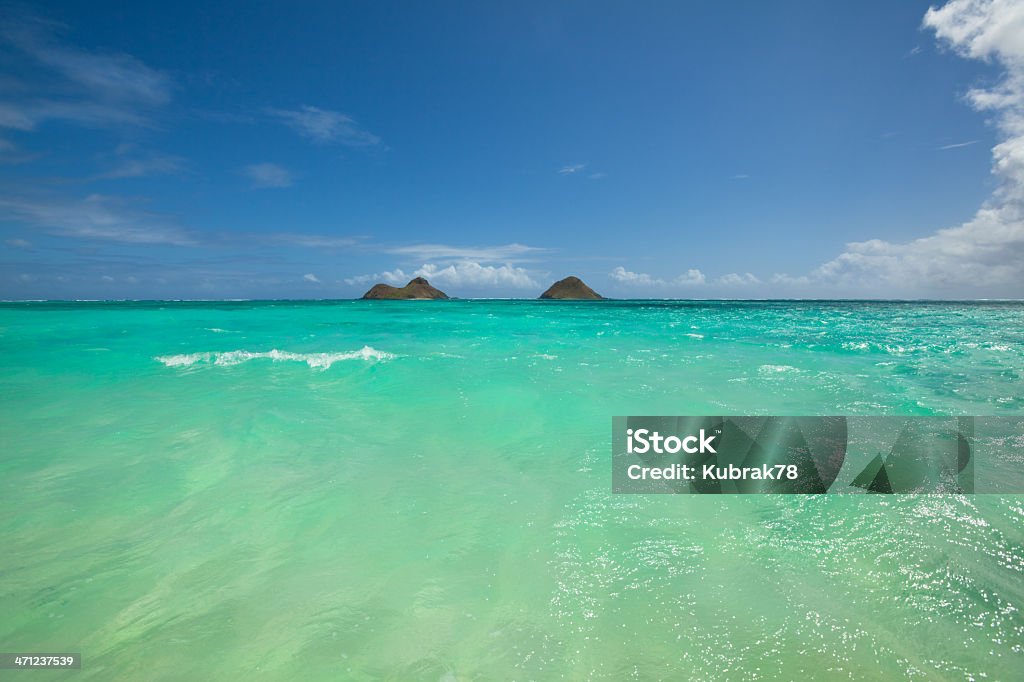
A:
421	490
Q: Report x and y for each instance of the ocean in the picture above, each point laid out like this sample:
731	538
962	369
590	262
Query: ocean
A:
421	490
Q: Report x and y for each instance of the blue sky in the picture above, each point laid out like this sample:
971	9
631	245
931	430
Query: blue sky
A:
739	150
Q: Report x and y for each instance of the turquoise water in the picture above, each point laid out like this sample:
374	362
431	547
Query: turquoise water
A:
421	490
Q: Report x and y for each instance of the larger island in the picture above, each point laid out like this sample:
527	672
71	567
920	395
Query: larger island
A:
571	288
417	289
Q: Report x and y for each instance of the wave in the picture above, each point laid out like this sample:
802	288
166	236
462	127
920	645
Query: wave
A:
236	357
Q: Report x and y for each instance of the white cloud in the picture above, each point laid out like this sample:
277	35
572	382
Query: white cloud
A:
95	217
598	176
324	125
267	175
734	279
981	29
504	253
472	274
466	274
574	168
310	277
621	274
691	277
18	243
396	276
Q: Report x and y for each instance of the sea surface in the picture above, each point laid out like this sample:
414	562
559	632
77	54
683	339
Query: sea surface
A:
378	490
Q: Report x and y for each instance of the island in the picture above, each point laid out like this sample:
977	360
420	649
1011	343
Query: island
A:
571	288
416	289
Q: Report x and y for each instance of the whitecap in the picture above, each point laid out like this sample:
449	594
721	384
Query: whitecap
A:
235	357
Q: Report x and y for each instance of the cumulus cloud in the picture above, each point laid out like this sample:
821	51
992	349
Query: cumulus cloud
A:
265	175
734	279
473	274
396	276
985	255
466	274
324	125
692	276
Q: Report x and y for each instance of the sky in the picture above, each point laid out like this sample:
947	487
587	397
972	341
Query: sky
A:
207	150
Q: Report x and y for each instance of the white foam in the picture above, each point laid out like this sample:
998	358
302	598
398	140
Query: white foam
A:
776	369
236	357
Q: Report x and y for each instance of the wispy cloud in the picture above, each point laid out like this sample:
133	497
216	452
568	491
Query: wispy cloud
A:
467	274
143	167
597	176
265	175
10	153
18	243
574	168
427	252
311	241
129	162
96	217
62	82
324	125
740	176
310	277
958	145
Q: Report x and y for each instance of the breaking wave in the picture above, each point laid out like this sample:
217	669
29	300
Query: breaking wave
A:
236	357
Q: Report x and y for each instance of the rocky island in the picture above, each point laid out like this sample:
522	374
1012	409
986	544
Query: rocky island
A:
571	288
416	289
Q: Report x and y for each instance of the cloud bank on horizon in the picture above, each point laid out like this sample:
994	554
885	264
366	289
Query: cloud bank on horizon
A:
223	215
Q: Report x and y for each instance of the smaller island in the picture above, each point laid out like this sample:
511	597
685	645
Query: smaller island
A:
571	288
417	289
